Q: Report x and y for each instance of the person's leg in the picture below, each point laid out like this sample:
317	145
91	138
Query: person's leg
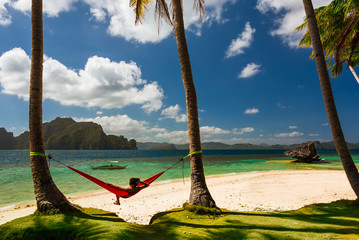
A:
117	200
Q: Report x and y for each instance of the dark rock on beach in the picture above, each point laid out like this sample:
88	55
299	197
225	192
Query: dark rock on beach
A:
305	152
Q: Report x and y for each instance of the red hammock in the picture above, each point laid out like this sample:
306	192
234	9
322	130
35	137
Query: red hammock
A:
114	190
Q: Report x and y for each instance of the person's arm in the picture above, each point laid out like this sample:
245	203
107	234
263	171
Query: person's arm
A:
144	185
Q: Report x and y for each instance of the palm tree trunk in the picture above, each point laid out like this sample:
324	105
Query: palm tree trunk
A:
354	73
200	194
338	136
48	197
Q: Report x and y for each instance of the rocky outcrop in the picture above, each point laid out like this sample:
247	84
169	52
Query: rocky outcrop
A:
305	152
67	134
6	139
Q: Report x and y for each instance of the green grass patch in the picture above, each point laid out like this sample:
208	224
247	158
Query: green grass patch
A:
201	210
88	223
337	220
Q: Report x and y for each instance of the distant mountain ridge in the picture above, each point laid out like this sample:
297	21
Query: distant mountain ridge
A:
240	146
67	134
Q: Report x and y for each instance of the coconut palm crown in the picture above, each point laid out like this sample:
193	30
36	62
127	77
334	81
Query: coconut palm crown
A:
338	25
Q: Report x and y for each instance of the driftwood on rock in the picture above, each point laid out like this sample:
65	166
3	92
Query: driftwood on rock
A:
306	152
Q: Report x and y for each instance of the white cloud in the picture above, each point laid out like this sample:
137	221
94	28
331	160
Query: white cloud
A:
142	131
210	130
5	17
243	40
325	124
250	70
243	130
123	125
178	137
292	134
292	127
173	112
120	17
99	112
139	130
51	8
313	135
208	134
281	105
15	73
122	20
251	111
102	83
290	14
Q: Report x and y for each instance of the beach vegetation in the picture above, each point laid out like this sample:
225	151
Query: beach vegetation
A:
337	220
334	122
199	194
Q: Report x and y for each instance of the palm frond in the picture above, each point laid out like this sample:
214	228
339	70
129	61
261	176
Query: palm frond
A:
336	69
353	45
341	41
139	6
200	6
329	63
355	58
302	26
162	12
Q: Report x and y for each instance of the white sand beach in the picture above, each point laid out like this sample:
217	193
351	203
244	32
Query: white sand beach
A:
254	191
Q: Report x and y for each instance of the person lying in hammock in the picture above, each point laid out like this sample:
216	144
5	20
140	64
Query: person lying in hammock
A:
133	187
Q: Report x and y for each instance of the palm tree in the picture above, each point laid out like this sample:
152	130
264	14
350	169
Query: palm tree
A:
199	194
337	23
338	136
48	196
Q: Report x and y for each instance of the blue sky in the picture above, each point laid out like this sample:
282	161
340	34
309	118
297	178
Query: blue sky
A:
253	84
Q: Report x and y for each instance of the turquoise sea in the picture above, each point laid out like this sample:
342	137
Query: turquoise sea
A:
16	182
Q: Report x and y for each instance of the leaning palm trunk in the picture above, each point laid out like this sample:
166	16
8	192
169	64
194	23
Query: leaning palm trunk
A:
354	73
338	137
200	194
48	197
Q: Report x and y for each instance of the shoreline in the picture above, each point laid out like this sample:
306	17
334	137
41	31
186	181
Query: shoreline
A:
251	191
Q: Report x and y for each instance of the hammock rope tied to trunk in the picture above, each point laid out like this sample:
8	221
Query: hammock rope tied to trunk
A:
110	187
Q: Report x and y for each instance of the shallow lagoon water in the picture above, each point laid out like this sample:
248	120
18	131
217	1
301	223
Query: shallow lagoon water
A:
16	182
